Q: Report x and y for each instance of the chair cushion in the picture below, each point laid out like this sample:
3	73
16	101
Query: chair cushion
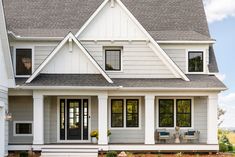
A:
163	133
190	133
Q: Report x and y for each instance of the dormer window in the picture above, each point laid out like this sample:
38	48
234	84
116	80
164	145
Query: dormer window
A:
195	61
113	59
23	62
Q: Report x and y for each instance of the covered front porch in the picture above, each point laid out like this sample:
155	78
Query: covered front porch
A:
54	125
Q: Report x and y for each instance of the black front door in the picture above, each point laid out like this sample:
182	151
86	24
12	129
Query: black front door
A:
74	119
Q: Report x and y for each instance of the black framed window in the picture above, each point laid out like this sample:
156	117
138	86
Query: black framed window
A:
166	112
113	60
195	61
132	113
23	62
23	128
117	110
183	112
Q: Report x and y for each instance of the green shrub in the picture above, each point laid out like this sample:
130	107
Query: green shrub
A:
180	154
224	144
23	154
111	154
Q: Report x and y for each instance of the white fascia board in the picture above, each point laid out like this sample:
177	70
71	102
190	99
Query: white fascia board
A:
118	88
5	43
172	66
91	59
185	42
56	50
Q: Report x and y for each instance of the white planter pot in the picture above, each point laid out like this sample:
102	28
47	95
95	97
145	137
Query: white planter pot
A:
94	140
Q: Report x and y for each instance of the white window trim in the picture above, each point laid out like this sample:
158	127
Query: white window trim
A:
204	60
21	122
175	98
14	59
58	120
124	114
113	48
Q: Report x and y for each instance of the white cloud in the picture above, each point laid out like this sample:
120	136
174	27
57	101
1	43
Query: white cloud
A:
221	77
227	102
218	10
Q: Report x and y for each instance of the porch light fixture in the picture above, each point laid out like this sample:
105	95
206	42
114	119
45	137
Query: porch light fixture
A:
8	116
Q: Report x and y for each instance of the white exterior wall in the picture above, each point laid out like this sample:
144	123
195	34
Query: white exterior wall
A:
179	54
138	60
112	23
74	62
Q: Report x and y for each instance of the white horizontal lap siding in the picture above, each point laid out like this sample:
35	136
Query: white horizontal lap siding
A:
178	56
138	60
21	108
133	135
200	117
41	52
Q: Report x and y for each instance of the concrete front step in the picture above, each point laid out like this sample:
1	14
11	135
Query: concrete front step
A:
69	152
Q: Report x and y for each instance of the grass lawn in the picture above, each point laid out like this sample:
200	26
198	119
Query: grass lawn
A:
231	137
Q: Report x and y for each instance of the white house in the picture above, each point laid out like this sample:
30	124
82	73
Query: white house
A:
138	68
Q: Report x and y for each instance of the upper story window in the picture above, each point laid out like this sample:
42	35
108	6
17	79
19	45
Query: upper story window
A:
23	61
113	59
195	61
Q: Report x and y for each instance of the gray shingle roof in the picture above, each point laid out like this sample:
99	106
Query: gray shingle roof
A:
164	19
213	68
196	81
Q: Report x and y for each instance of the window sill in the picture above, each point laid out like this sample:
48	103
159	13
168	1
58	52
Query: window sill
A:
22	76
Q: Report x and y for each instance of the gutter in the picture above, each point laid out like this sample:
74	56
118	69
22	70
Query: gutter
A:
116	88
17	37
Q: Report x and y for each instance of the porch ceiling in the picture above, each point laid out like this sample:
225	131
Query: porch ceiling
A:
97	80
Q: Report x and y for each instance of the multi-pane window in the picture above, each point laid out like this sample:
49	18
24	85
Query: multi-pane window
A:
132	113
23	62
23	128
166	113
117	116
125	113
113	60
183	112
175	112
195	61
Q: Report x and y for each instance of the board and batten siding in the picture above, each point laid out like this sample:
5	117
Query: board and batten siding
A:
21	108
138	60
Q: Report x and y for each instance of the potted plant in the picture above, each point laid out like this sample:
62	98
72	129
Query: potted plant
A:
108	134
94	136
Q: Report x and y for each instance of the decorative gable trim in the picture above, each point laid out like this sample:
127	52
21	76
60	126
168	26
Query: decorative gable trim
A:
152	43
69	38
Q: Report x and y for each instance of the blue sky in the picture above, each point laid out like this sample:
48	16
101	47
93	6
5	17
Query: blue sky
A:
221	18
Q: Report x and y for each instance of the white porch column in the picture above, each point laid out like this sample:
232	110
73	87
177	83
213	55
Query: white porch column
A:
38	125
212	119
103	118
2	129
149	119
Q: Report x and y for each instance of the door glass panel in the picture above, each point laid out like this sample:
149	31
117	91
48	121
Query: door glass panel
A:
85	119
62	119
